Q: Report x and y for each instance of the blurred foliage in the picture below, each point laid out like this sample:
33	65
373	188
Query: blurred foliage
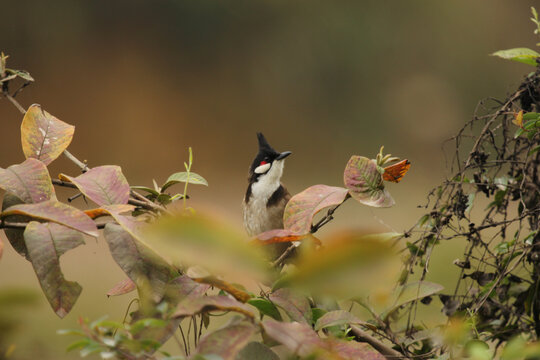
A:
188	268
12	302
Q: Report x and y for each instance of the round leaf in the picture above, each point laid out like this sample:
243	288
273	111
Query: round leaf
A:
302	207
227	342
29	181
43	136
179	177
105	185
365	182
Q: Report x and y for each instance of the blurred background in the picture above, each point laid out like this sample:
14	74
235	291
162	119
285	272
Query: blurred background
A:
144	80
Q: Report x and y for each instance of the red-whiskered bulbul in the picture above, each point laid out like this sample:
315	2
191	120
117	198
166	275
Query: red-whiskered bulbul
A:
265	197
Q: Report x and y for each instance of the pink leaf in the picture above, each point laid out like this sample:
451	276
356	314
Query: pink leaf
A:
365	182
226	342
56	212
105	185
29	181
302	207
123	287
45	244
295	305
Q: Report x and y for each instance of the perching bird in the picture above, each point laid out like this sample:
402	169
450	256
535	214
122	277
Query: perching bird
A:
265	197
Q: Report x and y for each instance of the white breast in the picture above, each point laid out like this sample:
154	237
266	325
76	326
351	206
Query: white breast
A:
256	217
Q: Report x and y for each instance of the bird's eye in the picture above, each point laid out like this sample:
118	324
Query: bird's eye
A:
263	162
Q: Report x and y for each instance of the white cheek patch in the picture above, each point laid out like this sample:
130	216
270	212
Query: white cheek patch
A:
261	169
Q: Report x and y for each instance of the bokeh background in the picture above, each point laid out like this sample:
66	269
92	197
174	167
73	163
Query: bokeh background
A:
144	80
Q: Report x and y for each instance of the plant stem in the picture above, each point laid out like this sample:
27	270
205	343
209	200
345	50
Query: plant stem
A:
378	345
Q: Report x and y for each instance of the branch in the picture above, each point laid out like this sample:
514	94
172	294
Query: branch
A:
329	217
378	345
14	102
23	225
314	228
514	97
284	256
70	156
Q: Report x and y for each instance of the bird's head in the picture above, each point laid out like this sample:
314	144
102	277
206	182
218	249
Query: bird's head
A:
267	162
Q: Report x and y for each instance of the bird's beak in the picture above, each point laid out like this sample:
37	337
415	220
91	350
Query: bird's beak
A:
283	155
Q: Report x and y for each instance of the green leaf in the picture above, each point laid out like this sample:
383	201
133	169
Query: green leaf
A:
179	177
164	199
147	189
302	207
365	182
265	307
498	199
142	324
529	238
317	313
43	136
78	345
21	73
45	244
470	202
104	185
523	55
91	348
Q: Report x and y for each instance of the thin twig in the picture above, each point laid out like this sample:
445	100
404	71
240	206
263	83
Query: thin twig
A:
378	345
314	228
22	225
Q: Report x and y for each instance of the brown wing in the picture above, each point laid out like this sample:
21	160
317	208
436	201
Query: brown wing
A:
396	172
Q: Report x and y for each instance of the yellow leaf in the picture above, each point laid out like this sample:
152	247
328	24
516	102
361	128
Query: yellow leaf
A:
518	119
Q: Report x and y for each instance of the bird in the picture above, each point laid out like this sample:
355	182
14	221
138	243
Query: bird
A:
266	197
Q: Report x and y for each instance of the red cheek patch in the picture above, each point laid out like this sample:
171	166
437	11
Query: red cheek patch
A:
263	163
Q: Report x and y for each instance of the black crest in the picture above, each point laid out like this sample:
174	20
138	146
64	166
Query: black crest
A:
264	146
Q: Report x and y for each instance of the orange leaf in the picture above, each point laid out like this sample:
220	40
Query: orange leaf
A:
95	213
395	173
225	286
281	236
